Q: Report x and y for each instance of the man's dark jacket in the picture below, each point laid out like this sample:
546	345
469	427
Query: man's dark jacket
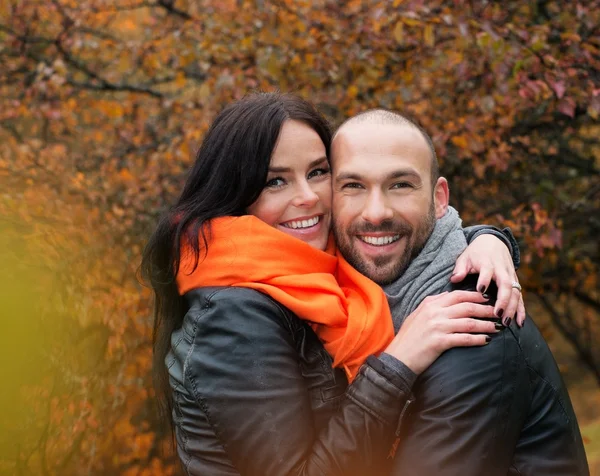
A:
501	409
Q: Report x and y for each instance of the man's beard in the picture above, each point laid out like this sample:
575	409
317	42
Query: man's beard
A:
415	241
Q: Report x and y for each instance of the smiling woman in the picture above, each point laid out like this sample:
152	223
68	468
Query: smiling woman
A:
265	337
297	196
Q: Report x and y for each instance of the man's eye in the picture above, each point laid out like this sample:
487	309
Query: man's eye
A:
352	185
402	185
275	183
318	172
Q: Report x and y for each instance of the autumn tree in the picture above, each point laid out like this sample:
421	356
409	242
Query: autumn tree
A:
104	103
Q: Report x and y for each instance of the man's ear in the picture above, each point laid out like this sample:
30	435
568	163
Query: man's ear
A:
441	197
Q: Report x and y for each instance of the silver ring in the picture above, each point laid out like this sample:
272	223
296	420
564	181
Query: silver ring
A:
516	285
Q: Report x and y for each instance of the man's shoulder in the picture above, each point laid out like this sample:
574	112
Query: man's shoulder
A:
463	370
472	361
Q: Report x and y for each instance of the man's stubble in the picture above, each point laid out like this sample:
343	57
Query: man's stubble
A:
416	240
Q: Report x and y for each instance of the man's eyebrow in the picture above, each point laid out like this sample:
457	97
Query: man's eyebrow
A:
348	176
393	175
314	163
404	173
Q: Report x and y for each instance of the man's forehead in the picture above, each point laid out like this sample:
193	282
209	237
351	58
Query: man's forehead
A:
372	140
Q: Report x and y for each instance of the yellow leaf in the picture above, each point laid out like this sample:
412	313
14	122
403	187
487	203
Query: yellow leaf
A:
428	35
180	79
352	91
273	66
246	43
399	32
203	91
411	21
114	110
460	141
397	3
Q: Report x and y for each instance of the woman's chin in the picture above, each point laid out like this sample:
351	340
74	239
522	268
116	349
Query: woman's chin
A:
316	236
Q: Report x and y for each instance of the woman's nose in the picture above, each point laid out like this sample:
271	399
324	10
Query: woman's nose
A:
305	196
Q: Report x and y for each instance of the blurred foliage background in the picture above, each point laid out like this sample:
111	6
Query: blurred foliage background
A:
103	103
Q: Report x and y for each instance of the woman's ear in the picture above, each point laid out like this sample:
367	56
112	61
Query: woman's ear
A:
441	197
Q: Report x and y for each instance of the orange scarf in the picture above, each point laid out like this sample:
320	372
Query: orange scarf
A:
348	311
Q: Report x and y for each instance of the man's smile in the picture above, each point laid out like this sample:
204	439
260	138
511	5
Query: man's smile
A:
381	240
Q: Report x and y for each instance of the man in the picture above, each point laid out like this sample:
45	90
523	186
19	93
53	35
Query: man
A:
495	410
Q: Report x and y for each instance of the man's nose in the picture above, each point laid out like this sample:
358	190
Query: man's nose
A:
305	196
376	209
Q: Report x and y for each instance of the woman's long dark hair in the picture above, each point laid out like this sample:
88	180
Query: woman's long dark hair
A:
228	175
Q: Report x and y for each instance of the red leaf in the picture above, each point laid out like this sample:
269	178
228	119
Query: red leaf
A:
558	87
567	107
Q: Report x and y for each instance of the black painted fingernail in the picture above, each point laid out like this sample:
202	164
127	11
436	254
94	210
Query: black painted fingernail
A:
487	339
485	296
482	289
506	321
498	326
499	312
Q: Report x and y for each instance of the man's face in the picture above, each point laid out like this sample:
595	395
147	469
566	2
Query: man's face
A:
383	199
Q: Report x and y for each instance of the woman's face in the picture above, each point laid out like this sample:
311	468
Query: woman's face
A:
297	196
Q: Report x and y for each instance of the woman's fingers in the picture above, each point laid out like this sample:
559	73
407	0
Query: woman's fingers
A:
521	315
469	309
505	293
461	269
485	277
513	304
456	297
466	340
466	325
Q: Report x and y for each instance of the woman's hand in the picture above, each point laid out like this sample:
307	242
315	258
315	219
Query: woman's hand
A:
440	323
489	256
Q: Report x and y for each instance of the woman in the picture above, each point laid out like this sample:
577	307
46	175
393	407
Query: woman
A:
246	308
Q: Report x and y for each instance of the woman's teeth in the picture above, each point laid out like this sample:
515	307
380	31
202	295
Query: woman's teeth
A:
380	240
302	223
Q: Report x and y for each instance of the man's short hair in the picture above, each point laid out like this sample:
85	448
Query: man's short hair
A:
387	116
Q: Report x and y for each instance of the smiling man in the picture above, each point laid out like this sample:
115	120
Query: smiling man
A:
496	410
384	208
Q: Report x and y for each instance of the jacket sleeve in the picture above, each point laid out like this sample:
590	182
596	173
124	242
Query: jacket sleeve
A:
505	235
470	405
244	372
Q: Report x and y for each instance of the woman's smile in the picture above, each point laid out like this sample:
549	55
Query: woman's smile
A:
303	228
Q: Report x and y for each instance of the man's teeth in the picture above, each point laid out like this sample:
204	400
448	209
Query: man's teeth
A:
302	223
380	240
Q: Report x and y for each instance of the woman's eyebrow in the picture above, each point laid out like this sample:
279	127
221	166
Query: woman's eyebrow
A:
314	163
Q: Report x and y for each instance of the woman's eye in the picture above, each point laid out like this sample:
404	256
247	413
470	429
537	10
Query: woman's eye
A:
318	172
275	182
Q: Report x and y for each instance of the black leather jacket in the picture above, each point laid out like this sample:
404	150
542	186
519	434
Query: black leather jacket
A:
496	410
255	394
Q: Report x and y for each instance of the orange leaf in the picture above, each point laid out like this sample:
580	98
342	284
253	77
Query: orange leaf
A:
460	141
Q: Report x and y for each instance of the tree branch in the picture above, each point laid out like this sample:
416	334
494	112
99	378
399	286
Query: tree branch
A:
584	353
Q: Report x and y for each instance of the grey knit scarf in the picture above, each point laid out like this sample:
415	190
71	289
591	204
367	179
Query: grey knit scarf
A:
429	273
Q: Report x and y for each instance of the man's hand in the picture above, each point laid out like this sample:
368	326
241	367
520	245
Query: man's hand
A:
489	256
